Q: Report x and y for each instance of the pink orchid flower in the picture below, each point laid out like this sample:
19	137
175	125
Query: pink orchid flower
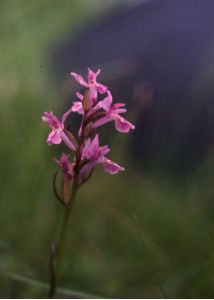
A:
92	81
57	134
95	155
66	166
92	84
113	112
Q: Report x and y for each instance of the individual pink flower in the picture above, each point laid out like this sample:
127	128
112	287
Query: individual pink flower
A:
57	134
92	81
92	84
94	154
112	113
66	166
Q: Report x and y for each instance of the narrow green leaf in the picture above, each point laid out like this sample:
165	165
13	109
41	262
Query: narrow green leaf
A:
41	285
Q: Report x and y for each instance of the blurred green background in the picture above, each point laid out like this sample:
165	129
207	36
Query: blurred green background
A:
114	215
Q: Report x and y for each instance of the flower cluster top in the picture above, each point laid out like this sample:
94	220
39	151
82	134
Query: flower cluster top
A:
95	113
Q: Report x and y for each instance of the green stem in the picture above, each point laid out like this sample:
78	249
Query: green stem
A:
58	257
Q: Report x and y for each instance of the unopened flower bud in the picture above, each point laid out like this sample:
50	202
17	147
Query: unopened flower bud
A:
86	100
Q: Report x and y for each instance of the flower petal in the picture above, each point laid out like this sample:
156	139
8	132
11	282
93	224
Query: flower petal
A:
92	76
67	141
79	96
77	107
54	137
92	81
116	108
122	125
51	119
92	151
91	147
79	79
102	121
66	166
65	116
88	167
111	167
94	144
106	102
101	88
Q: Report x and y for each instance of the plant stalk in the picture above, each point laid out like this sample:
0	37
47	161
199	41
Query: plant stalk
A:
57	258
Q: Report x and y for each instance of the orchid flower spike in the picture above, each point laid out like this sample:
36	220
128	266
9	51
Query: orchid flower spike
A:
87	150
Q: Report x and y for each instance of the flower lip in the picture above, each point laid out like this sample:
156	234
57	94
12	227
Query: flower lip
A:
111	167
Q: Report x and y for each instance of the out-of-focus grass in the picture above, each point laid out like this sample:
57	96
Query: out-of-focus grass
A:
104	253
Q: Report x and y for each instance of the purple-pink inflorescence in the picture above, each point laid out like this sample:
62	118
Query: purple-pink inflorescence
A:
95	113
